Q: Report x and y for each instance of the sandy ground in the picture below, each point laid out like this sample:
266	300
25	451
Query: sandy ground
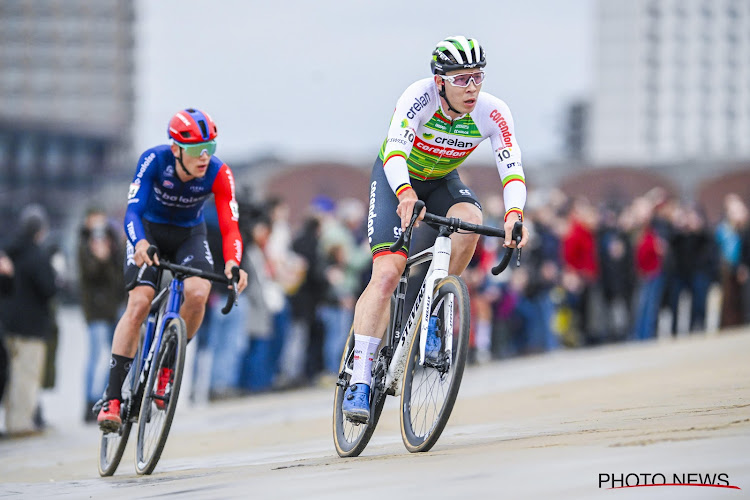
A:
538	427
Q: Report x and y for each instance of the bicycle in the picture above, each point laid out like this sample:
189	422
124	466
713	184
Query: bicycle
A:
161	345
428	387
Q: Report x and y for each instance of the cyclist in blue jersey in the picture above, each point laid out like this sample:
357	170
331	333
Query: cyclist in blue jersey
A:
165	208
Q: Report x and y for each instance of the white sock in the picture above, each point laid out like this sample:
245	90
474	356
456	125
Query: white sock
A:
365	350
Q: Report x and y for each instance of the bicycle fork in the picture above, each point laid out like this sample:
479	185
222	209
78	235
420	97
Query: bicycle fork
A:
174	301
437	271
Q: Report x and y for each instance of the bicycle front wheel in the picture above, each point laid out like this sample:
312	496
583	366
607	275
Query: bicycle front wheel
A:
351	438
429	391
111	448
112	444
160	396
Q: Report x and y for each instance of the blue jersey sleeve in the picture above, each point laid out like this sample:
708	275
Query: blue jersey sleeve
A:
140	189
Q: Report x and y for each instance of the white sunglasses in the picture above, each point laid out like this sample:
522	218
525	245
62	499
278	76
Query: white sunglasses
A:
463	79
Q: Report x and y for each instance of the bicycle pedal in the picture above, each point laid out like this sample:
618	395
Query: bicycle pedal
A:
357	421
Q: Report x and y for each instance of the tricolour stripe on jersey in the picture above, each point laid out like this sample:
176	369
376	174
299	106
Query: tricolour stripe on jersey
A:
392	154
513	210
512	178
385	249
403	187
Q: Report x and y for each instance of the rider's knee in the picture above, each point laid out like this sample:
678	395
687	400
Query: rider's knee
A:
473	218
467	213
139	303
386	273
197	291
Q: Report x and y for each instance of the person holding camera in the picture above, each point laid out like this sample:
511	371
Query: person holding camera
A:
100	256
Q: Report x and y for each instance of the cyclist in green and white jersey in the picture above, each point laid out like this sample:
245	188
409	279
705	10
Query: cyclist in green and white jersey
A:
437	123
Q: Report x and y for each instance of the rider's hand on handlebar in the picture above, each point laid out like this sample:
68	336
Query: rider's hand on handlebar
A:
242	283
406	200
509	242
141	254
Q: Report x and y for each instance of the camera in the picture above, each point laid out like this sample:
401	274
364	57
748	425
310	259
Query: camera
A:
98	233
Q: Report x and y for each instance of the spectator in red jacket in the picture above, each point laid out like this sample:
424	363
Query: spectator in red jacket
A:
579	243
581	264
649	257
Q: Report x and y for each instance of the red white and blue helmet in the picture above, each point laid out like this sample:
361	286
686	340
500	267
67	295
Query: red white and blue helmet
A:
191	126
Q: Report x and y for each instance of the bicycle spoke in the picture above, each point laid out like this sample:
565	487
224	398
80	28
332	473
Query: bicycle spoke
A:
351	438
111	448
429	391
158	411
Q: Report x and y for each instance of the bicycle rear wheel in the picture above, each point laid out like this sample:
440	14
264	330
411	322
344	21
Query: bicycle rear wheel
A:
352	438
429	391
157	412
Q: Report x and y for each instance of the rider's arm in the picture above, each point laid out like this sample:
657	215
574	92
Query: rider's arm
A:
414	104
495	119
140	189
228	213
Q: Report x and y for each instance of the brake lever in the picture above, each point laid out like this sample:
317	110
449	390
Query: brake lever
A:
152	249
518	257
235	283
234	297
405	237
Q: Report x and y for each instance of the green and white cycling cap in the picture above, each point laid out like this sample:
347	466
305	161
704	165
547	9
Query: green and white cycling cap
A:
457	52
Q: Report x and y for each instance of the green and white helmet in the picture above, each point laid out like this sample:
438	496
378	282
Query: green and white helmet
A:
457	52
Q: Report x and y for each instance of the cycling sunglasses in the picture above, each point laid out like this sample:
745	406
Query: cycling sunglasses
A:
196	150
463	79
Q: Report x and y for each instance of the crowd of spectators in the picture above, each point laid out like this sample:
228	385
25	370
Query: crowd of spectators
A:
303	283
28	330
591	275
601	274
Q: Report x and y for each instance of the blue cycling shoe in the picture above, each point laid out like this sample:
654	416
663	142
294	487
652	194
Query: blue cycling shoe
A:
432	346
356	406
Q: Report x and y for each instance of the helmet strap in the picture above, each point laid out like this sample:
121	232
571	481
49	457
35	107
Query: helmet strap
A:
441	93
179	160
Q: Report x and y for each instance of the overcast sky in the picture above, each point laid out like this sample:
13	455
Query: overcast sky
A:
318	79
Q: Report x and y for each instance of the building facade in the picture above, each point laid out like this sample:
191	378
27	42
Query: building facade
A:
66	87
672	83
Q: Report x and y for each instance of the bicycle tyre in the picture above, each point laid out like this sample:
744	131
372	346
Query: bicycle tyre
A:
421	424
154	423
351	439
111	448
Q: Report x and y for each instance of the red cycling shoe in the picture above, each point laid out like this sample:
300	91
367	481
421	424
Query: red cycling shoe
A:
165	376
109	416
